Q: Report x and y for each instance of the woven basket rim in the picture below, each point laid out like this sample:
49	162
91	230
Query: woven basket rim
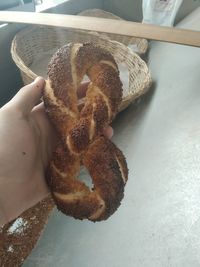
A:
98	10
28	73
17	59
20	62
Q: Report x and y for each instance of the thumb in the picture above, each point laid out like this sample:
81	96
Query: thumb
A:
28	96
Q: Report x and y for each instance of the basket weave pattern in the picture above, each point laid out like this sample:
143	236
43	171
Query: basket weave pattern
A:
33	42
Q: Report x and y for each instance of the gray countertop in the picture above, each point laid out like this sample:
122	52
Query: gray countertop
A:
158	223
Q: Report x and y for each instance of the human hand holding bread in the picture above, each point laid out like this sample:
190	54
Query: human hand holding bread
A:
32	139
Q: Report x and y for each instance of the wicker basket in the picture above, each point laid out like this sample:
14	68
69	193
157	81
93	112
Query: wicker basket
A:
33	47
138	45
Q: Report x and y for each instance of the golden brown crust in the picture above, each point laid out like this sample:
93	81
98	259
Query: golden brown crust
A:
81	139
88	56
59	73
101	163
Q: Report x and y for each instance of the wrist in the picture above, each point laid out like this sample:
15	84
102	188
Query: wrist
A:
3	217
18	195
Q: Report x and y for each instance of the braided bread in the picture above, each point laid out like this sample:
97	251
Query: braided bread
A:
81	139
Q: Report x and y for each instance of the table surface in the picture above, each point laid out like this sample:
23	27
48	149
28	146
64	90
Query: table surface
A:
158	223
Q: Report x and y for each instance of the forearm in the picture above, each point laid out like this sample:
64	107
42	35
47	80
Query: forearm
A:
3	216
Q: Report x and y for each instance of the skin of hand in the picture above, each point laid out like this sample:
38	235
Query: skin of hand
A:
27	139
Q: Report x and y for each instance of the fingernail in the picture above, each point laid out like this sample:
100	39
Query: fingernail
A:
111	132
39	80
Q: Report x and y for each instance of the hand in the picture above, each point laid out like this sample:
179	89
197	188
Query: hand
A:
27	139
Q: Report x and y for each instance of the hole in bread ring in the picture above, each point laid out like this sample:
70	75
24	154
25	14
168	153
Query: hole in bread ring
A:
108	170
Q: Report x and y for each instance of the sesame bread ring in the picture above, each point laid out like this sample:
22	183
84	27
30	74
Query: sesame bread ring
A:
81	132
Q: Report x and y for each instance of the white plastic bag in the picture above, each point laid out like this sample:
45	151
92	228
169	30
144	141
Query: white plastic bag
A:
161	12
